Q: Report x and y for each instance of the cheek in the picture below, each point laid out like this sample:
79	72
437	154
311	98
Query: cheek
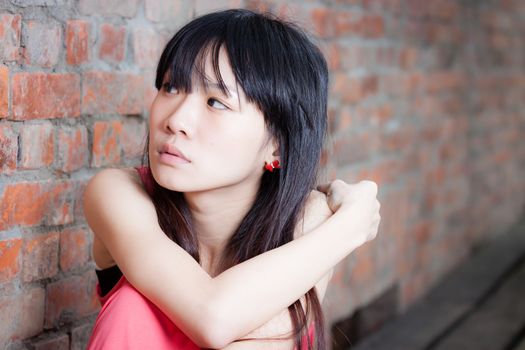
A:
241	142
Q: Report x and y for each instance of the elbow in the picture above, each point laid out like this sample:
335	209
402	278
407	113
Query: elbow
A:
215	329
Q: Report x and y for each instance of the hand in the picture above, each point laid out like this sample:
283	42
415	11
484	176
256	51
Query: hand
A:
358	205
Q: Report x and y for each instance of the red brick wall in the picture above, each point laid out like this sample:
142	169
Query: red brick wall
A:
427	99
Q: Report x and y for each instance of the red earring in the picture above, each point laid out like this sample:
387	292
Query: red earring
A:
272	165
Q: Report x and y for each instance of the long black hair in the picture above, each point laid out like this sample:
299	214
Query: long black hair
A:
285	75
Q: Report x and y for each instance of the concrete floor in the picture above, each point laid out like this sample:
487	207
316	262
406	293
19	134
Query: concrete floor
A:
480	305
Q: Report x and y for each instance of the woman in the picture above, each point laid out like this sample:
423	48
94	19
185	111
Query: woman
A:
211	230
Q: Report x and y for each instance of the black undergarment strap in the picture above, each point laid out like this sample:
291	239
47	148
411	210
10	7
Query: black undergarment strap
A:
108	278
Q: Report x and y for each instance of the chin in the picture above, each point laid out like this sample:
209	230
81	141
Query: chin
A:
167	178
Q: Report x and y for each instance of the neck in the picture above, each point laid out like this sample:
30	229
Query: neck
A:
216	214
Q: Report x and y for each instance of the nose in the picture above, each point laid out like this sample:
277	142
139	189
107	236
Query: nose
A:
182	118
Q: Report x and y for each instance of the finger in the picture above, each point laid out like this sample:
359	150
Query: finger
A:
323	187
371	185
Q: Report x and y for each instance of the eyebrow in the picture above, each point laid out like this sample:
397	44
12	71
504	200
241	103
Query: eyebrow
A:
229	89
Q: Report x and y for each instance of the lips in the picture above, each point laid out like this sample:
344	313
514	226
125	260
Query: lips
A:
170	149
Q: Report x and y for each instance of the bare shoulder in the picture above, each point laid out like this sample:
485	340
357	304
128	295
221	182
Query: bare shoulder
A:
115	193
121	182
112	176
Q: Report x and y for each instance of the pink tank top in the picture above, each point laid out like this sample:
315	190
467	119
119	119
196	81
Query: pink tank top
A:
128	320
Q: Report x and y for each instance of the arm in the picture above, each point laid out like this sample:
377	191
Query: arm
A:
276	333
120	209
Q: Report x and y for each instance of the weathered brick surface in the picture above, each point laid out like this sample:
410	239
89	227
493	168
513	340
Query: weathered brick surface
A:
60	342
37	203
158	10
43	43
8	148
22	314
77	42
43	95
147	47
72	148
106	143
40	257
70	298
10	28
9	259
105	92
80	336
74	248
37	145
112	43
426	98
126	9
4	91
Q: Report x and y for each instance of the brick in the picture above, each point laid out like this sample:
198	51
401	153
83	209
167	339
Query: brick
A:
333	56
383	173
72	148
353	90
80	336
9	259
321	22
37	145
392	6
4	91
205	6
70	299
22	314
8	149
447	10
159	10
40	257
258	5
409	58
355	147
106	143
77	42
10	27
443	81
34	203
60	342
32	93
373	116
402	84
112	43
150	92
78	210
372	26
23	204
74	248
346	23
62	198
147	47
363	268
43	42
109	7
133	138
105	93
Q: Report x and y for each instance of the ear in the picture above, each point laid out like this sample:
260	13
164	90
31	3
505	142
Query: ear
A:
274	149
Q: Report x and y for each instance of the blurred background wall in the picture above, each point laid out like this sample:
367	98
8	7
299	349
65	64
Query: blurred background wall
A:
426	98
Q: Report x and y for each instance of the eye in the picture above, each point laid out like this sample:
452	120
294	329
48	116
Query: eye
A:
216	104
169	89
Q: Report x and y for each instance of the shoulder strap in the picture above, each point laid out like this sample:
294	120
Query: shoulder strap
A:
146	177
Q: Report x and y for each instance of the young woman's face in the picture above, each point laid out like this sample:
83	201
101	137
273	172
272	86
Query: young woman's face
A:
222	137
